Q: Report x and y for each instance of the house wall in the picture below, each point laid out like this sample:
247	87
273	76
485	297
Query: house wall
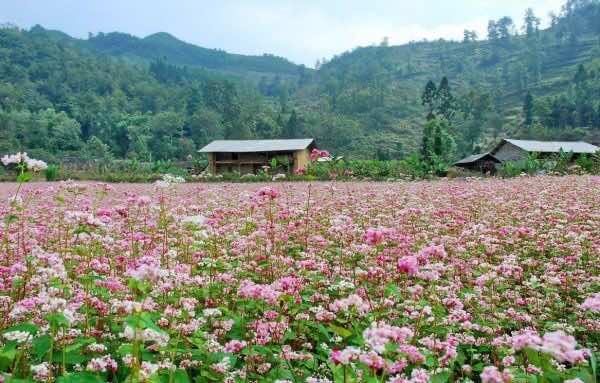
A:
212	168
249	163
510	152
301	159
253	157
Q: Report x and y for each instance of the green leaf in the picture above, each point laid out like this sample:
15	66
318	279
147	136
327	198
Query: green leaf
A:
57	320
41	345
533	357
180	376
70	358
9	351
323	331
25	327
522	377
344	333
442	377
392	290
125	349
338	373
210	375
594	364
24	177
81	377
10	218
79	343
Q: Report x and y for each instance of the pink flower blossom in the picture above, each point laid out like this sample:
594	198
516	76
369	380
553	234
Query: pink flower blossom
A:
408	265
491	374
592	303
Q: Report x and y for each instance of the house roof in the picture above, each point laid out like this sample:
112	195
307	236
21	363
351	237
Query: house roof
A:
551	146
247	146
475	157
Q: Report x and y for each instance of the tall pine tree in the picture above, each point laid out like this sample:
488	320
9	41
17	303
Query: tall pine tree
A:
428	99
445	100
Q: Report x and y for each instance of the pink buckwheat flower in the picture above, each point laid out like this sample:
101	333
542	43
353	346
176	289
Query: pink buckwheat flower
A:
491	374
592	303
235	346
374	236
268	192
408	265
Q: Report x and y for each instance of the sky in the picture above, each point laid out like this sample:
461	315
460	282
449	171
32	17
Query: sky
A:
300	30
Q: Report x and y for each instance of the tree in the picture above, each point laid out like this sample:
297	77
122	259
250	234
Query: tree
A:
469	36
528	109
438	146
138	136
428	98
267	128
165	128
97	150
581	75
293	127
492	32
204	126
445	100
553	19
531	24
505	27
473	109
63	132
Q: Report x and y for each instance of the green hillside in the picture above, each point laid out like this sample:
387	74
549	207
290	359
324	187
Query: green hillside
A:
165	46
59	99
379	87
160	98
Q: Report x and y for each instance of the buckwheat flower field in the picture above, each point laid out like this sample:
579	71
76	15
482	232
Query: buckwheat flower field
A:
443	281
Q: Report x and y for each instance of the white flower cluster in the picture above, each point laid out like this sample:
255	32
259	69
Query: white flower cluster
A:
41	372
169	180
211	312
18	336
147	335
22	158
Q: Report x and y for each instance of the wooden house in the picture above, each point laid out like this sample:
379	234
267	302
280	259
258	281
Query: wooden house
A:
515	150
250	156
483	162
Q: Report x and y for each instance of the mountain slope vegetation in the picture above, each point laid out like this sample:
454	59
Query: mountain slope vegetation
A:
165	46
380	87
116	95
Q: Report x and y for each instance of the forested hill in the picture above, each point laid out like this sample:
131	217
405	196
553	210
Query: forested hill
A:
158	97
379	88
60	99
165	46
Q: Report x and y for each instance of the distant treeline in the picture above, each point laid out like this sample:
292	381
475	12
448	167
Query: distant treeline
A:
118	96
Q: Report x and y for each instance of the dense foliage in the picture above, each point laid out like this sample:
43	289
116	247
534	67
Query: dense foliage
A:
380	87
489	281
57	99
160	98
183	54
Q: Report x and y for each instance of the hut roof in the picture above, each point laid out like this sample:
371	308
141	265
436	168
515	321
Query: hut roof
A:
248	146
476	157
551	146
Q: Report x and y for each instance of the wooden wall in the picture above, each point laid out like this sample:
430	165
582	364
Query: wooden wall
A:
301	159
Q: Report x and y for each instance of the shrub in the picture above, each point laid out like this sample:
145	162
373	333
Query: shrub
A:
586	163
510	169
51	173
